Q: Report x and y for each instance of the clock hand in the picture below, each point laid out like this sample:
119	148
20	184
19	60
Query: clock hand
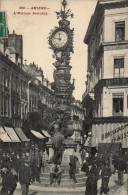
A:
58	39
59	35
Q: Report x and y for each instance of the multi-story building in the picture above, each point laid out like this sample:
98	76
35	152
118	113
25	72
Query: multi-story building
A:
13	90
77	115
41	98
24	92
106	95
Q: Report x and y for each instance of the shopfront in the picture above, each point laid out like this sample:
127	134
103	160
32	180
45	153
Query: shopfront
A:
110	133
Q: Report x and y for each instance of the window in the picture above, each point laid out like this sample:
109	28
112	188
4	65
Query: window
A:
118	67
119	31
118	100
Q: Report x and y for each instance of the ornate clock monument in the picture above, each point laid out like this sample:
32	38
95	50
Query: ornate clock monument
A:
61	42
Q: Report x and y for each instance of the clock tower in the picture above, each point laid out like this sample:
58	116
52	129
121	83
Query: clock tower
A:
61	43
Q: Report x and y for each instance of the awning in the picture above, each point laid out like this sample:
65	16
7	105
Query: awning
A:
88	142
45	133
21	134
109	147
37	134
4	136
12	134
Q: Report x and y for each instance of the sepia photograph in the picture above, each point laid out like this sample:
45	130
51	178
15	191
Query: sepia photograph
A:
63	97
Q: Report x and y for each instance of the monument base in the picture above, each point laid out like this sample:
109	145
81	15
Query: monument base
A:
69	147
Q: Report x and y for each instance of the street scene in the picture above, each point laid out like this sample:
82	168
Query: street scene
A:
63	97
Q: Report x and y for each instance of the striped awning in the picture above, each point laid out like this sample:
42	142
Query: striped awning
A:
37	134
4	136
45	133
21	134
10	131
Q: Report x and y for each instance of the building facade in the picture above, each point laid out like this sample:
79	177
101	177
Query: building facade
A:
24	92
13	90
77	115
107	74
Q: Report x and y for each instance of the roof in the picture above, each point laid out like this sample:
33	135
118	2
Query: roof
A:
99	10
12	50
33	69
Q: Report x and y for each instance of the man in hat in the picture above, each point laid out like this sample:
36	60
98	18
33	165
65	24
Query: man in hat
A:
105	175
91	182
24	177
121	168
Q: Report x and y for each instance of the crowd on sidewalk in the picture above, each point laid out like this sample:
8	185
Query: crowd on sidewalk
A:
102	167
22	168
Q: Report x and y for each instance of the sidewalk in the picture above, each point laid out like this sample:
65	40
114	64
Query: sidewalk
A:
116	189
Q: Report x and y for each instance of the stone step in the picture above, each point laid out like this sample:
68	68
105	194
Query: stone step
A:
72	192
71	184
54	190
66	176
63	180
64	169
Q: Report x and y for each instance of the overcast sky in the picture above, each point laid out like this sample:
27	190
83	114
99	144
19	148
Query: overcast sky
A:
36	28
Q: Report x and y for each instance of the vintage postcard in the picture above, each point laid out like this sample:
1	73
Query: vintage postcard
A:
63	97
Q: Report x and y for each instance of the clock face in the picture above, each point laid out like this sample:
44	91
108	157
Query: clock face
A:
59	39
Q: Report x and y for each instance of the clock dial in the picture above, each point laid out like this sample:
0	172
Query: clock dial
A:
59	39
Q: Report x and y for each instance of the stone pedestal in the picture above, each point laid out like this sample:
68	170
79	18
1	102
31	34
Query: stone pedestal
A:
66	159
69	146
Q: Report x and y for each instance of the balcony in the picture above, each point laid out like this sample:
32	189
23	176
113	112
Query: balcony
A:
110	82
6	121
16	116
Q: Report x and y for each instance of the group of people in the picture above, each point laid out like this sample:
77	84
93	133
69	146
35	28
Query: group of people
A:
19	168
103	167
14	168
25	169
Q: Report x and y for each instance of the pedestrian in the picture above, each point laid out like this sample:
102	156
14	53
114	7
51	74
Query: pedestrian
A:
111	164
72	170
85	167
17	165
82	156
9	181
105	176
91	182
55	173
24	178
121	168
